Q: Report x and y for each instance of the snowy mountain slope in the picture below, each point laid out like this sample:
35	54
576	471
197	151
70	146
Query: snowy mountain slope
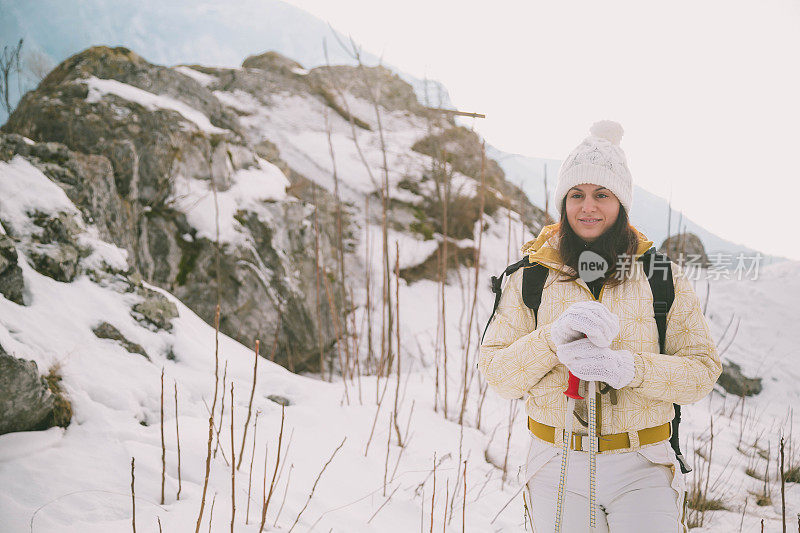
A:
183	32
649	214
78	479
114	400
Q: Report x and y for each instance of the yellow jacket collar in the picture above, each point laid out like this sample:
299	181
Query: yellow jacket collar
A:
544	248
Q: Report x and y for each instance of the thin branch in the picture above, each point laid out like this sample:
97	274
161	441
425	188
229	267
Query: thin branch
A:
249	406
133	495
178	438
314	487
163	445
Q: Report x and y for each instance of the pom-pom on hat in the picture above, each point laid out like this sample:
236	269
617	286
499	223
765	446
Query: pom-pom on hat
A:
598	160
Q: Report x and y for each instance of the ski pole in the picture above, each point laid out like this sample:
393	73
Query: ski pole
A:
592	455
562	481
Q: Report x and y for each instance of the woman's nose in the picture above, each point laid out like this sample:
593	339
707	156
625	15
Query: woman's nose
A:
589	206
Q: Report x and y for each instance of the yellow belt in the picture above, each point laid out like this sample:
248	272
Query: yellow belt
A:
606	443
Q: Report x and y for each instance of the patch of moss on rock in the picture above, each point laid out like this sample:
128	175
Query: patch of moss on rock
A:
190	250
61	415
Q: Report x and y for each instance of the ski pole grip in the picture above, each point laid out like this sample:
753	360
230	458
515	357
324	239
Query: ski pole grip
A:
572	388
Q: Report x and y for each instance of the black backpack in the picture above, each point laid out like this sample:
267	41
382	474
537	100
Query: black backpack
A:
657	268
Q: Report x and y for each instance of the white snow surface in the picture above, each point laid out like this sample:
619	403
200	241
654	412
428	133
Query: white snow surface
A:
24	190
78	479
250	188
298	125
200	77
99	87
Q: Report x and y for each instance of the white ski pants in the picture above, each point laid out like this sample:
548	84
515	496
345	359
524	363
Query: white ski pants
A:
636	491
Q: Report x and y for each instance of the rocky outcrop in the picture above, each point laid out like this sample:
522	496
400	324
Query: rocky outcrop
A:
734	382
28	401
458	149
686	249
280	400
379	82
54	251
104	330
123	138
273	62
431	267
12	285
155	310
461	149
117	160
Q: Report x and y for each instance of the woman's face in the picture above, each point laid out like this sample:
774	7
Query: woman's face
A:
591	210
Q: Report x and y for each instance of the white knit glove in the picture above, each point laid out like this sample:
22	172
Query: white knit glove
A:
594	363
590	318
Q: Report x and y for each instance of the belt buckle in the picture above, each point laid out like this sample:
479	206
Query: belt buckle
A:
577	442
574	442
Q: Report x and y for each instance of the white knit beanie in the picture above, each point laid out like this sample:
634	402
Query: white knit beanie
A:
598	160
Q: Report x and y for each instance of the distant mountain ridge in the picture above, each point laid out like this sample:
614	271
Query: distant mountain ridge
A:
186	32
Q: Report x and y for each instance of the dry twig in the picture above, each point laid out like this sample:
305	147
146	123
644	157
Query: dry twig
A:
249	406
133	495
178	438
163	446
314	487
274	473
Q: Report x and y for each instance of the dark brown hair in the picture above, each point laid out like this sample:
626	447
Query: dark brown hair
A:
618	240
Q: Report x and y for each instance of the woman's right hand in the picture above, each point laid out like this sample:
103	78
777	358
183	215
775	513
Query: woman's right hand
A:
592	319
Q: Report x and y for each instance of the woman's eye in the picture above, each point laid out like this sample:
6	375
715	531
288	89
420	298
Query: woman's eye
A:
576	195
602	195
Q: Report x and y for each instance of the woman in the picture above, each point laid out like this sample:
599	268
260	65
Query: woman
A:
601	331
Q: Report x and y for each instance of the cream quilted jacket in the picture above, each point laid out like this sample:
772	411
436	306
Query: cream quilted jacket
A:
517	356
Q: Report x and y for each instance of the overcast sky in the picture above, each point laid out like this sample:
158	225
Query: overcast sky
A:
706	90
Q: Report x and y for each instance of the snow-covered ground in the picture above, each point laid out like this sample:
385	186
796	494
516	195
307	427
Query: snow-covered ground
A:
79	479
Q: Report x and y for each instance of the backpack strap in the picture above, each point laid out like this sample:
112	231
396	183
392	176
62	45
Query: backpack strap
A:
658	269
497	288
533	279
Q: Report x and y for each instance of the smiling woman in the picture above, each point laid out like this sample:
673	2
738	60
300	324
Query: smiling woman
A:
591	213
636	366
